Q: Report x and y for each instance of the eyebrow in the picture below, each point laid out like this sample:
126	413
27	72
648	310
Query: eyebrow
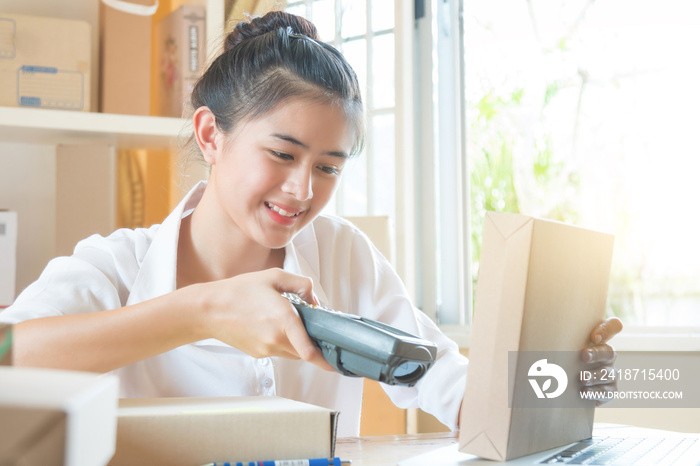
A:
296	142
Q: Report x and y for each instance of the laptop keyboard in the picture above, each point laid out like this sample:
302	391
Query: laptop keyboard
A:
612	450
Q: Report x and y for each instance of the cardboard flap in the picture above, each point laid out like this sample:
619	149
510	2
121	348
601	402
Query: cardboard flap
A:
482	443
509	224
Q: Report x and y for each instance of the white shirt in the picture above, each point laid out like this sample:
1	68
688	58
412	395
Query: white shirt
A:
348	273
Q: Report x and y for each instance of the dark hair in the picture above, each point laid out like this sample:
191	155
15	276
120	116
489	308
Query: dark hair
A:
271	59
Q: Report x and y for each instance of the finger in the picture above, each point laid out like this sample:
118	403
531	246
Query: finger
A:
606	330
304	346
318	360
296	284
599	354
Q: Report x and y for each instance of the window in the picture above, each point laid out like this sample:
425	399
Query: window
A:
586	112
444	290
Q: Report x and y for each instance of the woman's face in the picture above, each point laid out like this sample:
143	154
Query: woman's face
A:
274	174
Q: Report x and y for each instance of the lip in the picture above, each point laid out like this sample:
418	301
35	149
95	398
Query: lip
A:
281	219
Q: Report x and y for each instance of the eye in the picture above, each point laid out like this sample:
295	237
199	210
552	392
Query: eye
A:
330	170
282	155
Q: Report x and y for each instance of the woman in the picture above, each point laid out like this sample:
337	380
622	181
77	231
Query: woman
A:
193	307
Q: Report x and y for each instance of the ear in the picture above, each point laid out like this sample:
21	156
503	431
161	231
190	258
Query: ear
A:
209	138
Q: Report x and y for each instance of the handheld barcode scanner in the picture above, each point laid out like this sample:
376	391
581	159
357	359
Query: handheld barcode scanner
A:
360	347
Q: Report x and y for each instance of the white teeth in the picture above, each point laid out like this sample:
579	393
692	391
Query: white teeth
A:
282	212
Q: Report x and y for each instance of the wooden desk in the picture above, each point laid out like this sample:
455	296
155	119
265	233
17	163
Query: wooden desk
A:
390	449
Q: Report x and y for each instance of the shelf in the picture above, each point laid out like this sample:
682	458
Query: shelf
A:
53	127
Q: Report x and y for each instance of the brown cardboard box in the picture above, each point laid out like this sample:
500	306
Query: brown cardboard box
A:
180	53
51	417
195	431
44	62
125	59
542	286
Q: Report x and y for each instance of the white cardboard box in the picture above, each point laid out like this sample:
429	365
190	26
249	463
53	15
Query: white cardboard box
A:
44	62
52	417
8	257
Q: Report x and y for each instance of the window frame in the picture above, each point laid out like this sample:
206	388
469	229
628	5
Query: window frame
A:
443	229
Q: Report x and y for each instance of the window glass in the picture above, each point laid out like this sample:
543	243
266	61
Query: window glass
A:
353	197
382	15
383	164
354	18
323	16
297	8
585	112
383	75
355	51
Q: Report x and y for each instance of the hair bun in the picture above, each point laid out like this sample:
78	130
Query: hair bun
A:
272	21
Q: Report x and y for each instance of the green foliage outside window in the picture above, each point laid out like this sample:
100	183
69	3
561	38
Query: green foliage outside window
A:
492	170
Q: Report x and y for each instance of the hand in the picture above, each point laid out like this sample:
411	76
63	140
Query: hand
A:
249	313
601	357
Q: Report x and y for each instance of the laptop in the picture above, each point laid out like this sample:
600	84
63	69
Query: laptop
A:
610	444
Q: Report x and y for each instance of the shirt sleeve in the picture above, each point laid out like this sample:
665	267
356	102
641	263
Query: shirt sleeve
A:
94	278
379	294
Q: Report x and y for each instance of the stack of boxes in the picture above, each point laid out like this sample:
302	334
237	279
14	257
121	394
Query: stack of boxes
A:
45	62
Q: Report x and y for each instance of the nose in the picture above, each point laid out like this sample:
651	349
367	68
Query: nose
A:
299	183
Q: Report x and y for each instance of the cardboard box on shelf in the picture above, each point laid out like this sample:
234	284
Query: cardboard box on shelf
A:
542	287
179	56
125	57
44	62
8	257
194	431
53	417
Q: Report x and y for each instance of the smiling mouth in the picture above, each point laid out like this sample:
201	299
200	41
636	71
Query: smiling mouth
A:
282	212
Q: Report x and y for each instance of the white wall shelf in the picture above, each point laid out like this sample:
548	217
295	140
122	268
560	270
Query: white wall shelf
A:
54	127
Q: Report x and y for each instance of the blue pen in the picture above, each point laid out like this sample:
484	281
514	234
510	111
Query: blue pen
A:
311	462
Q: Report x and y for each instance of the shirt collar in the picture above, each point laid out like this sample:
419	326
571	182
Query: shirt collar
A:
158	273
